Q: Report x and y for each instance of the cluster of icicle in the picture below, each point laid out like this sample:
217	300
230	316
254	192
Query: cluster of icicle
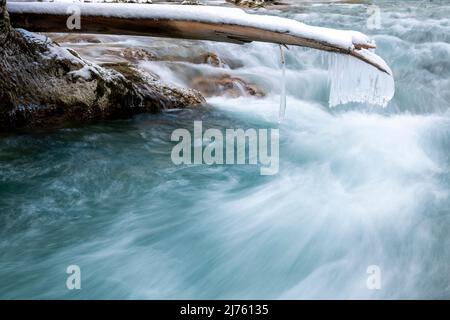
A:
352	80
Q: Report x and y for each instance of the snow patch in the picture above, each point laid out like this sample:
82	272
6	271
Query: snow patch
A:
87	73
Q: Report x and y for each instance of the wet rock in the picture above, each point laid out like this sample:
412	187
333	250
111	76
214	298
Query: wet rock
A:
225	85
5	28
43	84
75	38
157	95
106	52
209	58
253	3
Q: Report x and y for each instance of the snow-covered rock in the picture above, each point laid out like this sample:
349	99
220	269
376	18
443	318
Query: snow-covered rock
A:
44	84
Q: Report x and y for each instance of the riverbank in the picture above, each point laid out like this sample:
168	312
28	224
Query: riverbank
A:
45	85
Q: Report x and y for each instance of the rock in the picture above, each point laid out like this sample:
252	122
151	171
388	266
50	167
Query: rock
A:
252	3
123	1
190	2
137	54
211	59
42	84
138	1
225	85
75	38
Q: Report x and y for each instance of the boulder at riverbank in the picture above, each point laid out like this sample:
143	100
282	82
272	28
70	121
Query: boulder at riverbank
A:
44	85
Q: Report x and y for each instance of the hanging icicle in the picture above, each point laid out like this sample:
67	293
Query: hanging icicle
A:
354	81
283	85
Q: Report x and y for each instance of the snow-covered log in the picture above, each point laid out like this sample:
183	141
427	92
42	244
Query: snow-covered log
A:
192	22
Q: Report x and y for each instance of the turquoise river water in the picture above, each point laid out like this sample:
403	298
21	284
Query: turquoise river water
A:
357	186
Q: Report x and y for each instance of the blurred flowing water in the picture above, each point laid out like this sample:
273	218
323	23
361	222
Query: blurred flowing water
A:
358	185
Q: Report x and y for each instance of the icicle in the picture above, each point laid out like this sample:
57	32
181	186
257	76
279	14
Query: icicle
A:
283	85
355	81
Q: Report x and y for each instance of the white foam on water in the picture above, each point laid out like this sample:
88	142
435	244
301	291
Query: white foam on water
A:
352	80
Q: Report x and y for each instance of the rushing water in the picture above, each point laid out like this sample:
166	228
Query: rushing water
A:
358	185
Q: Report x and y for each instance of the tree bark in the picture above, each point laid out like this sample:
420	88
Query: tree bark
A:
44	85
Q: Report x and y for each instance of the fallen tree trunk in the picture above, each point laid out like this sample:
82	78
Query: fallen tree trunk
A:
192	22
42	84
